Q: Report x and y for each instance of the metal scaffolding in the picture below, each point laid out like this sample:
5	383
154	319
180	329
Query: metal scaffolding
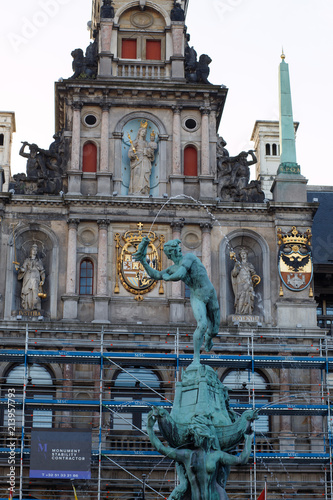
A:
131	454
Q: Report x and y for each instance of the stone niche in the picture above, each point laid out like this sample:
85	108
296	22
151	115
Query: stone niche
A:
48	253
258	256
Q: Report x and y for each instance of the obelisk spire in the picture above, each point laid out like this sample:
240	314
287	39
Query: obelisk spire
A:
289	185
288	163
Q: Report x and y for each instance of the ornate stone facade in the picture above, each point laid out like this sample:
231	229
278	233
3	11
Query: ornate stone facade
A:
108	354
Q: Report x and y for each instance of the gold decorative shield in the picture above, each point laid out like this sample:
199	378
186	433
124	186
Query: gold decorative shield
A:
132	275
295	260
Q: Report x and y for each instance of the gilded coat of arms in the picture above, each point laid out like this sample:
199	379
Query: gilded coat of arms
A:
132	275
295	260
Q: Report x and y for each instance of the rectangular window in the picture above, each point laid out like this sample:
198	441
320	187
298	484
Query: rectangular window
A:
153	50
128	49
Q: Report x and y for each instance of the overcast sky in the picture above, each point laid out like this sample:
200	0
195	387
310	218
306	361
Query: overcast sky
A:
243	37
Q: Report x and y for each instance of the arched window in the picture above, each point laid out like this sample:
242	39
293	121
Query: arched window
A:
39	387
86	277
1	139
268	149
241	383
135	384
89	158
190	161
274	150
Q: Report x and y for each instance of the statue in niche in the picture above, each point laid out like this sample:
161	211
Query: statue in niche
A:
196	71
141	155
45	168
177	13
191	271
243	279
233	176
32	273
203	468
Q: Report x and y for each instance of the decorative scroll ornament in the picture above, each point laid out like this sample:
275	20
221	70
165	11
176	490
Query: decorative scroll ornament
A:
295	260
132	275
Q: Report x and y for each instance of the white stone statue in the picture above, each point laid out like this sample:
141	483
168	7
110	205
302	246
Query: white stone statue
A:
243	278
32	273
141	155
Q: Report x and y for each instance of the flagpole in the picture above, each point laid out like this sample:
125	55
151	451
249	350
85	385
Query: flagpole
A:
265	487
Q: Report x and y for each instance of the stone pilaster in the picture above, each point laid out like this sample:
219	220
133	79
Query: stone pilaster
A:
117	181
206	229
176	179
102	299
71	298
67	393
105	55
75	174
176	301
287	439
206	178
103	174
177	59
317	441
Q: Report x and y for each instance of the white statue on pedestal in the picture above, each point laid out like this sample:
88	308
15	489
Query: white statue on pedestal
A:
32	273
141	155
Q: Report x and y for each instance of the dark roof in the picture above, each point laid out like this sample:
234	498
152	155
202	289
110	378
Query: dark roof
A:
322	229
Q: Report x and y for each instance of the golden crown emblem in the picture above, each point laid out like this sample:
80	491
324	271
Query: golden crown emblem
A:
294	237
143	124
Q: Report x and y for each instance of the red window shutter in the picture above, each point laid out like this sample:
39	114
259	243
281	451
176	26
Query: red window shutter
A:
128	49
153	50
89	158
190	161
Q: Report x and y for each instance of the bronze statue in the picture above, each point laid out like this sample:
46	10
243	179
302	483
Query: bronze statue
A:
203	467
189	269
45	167
177	13
233	176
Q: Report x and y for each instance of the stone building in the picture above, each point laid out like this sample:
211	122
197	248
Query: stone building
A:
88	340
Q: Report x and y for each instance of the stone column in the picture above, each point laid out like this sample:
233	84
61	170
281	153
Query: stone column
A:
103	174
101	298
177	59
105	55
74	177
206	179
287	439
176	300
317	437
206	229
205	167
71	298
177	179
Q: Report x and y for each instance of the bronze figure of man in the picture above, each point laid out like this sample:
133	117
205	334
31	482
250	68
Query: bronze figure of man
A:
189	269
